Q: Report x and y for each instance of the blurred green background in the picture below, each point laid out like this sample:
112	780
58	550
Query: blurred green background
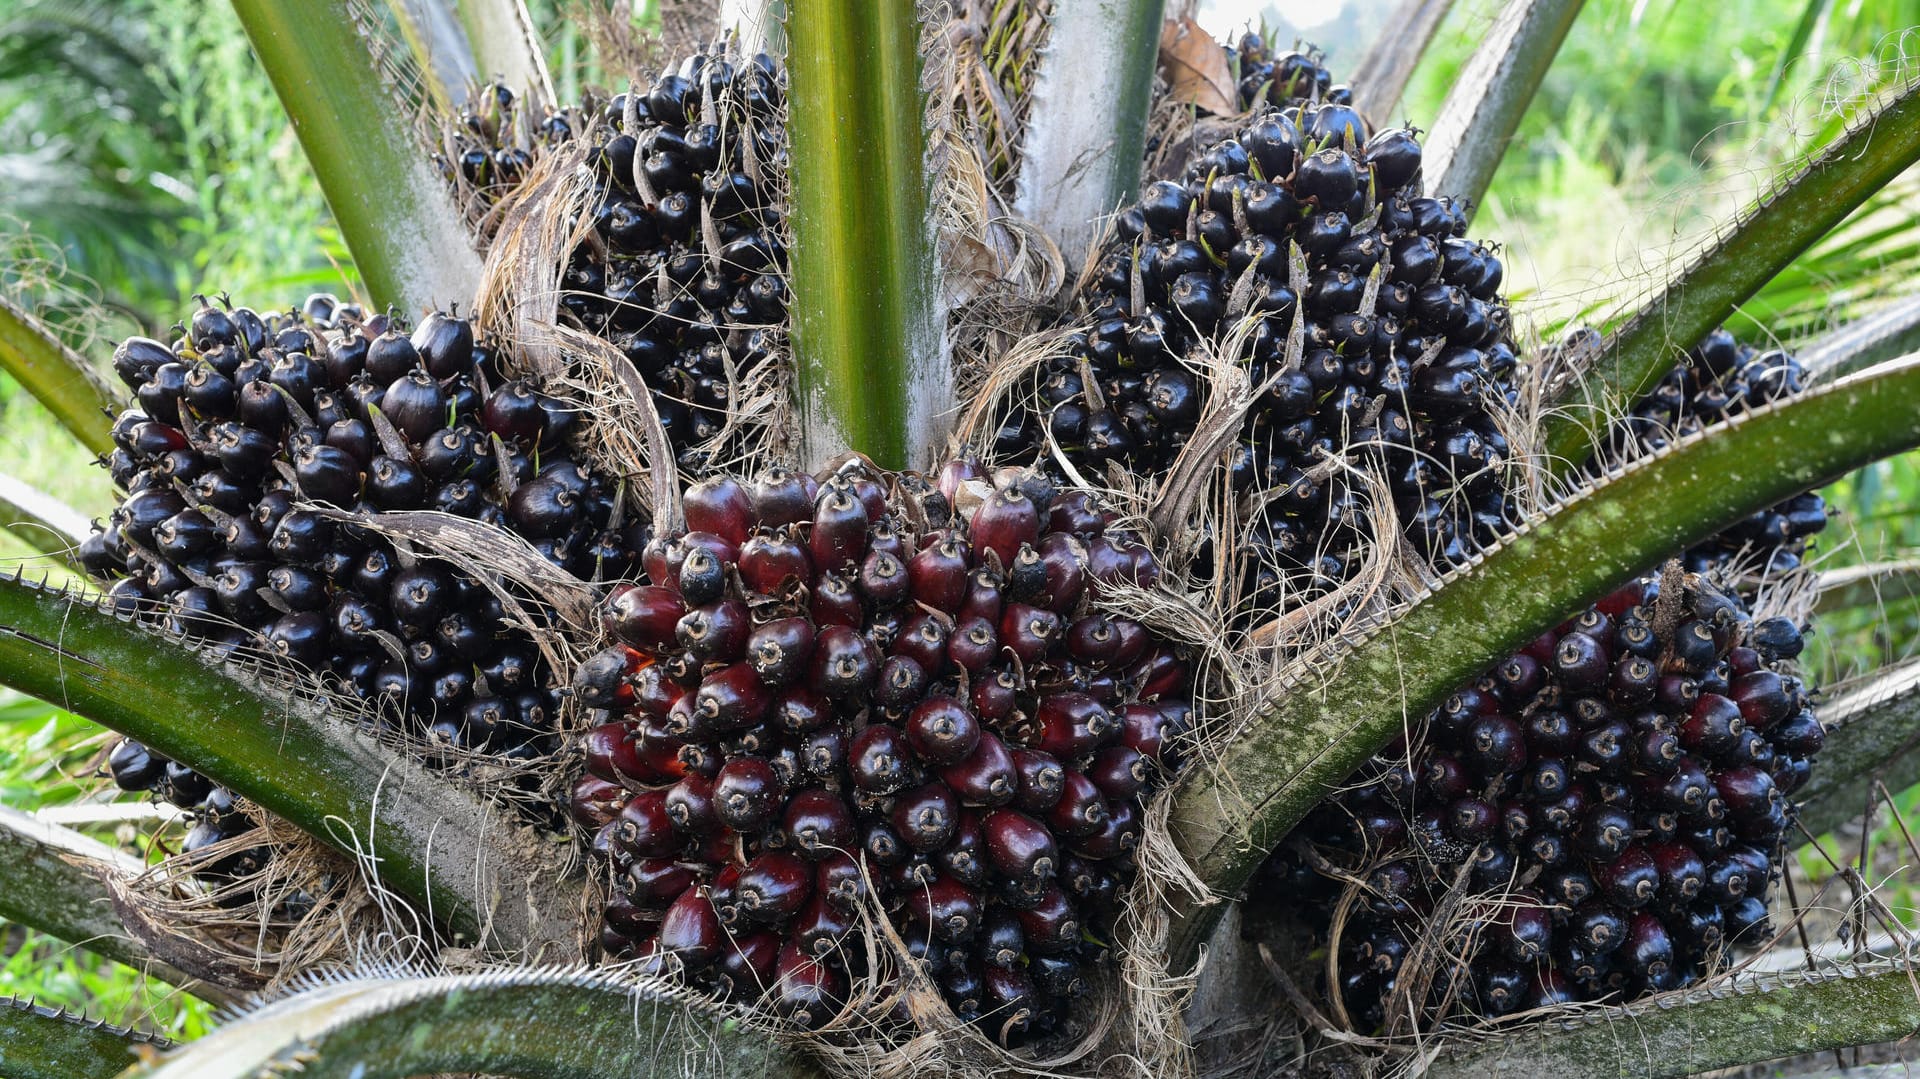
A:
143	159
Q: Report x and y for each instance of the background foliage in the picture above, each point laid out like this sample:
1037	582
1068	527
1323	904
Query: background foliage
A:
143	159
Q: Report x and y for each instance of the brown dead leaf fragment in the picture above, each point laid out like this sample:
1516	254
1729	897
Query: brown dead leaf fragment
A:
1196	69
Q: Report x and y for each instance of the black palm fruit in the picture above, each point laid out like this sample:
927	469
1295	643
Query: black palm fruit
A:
495	142
1385	347
231	558
1721	378
875	686
1615	797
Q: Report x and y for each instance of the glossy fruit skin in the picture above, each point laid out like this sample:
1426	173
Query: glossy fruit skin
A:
1634	822
849	743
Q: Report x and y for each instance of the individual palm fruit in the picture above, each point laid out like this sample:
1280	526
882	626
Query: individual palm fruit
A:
1617	794
1722	378
243	421
887	685
1371	330
686	270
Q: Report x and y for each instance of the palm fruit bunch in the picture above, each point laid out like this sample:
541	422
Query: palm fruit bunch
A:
876	679
1721	378
496	140
686	268
134	767
1267	77
1616	794
1404	361
243	423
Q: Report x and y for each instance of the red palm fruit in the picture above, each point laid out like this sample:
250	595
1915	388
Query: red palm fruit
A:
1119	771
1000	942
1030	632
819	823
987	777
670	757
745	969
889	535
956	474
778	651
1743	661
690	806
938	573
746	792
1065	560
1120	835
996	694
1749	792
627	916
883	579
1677	694
644	616
1110	559
1648	951
799	710
780	496
773	887
1762	697
656	882
963	858
1075	512
595	801
834	602
951	909
1043	780
1144	728
722	890
1072	724
974	644
923	639
1714	726
644	830
844	664
1523	930
1051	925
716	632
1093	639
1020	846
683	721
1081	810
731	698
654	694
986	595
721	506
820	927
839	536
1634	682
926	816
1630	881
1159	673
881	844
723	550
1003	521
611	753
691	930
1799	734
1009	1003
823	753
838	878
806	991
770	559
1682	872
942	731
900	685
877	758
1580	663
1134	640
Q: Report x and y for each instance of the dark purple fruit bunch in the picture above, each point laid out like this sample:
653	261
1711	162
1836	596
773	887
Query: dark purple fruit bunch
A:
1616	794
1720	379
873	682
687	272
496	141
1403	361
243	422
1270	77
135	768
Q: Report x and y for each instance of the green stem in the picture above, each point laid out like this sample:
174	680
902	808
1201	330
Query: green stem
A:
542	1024
1380	81
435	842
41	521
1873	736
506	46
439	47
1226	817
56	883
1476	124
1757	1019
869	357
1892	331
1878	146
47	1043
62	379
408	240
1870	585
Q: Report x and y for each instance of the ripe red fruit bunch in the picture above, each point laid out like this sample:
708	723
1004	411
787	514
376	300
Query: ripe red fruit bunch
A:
829	693
1619	789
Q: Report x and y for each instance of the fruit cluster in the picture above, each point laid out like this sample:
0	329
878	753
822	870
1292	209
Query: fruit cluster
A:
1372	331
686	271
1616	793
244	422
1723	378
1282	78
835	686
134	767
497	142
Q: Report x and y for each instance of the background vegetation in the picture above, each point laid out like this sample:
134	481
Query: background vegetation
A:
143	159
